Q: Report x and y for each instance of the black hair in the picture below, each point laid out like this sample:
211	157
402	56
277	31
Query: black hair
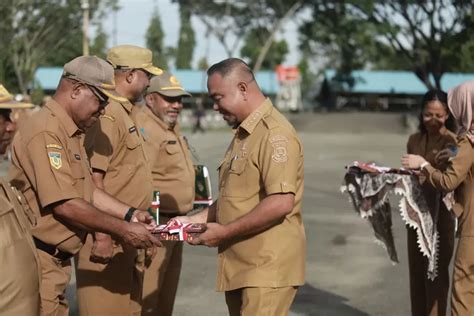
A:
442	97
228	65
5	113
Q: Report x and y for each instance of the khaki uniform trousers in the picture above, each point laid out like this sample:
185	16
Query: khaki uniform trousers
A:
430	298
19	263
110	289
55	276
261	301
462	300
162	277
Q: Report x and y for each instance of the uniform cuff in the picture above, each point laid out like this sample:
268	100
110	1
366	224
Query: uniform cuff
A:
282	187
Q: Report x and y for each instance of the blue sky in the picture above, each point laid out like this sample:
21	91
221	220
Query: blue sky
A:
134	17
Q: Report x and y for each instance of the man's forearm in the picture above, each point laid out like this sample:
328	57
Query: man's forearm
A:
110	205
83	215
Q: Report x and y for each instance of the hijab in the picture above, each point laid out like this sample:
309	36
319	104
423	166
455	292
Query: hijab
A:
460	103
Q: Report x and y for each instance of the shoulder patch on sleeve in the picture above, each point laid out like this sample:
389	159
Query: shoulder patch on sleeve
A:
280	145
109	117
55	159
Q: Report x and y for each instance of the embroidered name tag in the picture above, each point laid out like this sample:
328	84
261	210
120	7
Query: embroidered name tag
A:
55	146
132	129
172	142
77	156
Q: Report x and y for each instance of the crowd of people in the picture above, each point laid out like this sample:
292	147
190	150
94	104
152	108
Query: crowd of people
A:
85	166
83	172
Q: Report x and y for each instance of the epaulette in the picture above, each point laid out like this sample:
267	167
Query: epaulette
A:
109	117
270	122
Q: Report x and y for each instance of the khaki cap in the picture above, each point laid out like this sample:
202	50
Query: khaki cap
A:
95	72
8	102
132	57
167	85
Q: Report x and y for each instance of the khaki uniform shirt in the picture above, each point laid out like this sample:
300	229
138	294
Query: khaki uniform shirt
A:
49	165
114	146
459	177
170	161
264	158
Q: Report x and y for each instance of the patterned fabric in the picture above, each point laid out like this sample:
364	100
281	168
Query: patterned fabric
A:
369	191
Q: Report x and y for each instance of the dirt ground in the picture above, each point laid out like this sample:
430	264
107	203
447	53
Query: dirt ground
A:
347	272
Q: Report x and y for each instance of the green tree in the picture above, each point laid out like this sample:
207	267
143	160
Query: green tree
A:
230	21
427	37
99	44
252	47
187	41
38	33
154	40
203	64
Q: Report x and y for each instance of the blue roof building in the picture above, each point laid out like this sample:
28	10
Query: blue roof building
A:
194	81
381	89
394	82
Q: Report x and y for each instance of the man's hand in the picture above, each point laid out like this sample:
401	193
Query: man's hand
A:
138	236
145	218
412	161
102	249
212	237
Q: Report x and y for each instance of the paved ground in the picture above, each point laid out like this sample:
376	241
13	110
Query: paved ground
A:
347	273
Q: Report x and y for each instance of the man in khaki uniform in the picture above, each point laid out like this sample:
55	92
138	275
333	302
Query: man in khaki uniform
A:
256	222
50	168
110	274
173	175
19	262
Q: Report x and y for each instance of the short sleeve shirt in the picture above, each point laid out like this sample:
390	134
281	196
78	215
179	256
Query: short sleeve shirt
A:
170	162
115	147
49	165
265	157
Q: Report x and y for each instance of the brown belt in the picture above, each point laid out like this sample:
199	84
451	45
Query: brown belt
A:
52	250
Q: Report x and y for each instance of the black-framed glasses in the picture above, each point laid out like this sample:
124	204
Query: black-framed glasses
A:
149	75
103	99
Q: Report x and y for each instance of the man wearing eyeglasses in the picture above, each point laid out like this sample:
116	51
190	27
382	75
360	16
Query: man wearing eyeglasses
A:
50	168
109	273
173	175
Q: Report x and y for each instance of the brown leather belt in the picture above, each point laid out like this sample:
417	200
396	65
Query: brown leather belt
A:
52	250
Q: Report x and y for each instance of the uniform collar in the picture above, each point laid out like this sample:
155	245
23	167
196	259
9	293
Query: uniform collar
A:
256	116
63	117
127	105
158	121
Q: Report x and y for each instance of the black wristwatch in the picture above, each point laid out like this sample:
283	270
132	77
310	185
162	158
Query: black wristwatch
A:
128	216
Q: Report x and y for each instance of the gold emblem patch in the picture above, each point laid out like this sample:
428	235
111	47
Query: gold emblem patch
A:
55	159
174	81
280	152
56	146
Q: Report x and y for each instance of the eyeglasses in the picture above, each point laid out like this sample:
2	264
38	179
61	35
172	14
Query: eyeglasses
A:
149	75
103	99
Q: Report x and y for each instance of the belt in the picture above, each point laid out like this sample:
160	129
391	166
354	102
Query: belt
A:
52	250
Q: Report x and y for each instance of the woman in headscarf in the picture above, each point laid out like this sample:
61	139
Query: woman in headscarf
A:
435	133
458	175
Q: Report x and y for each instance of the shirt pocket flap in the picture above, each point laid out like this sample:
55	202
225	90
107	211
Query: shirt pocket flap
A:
132	141
238	166
172	148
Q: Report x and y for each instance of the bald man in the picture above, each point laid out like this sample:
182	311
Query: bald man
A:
256	223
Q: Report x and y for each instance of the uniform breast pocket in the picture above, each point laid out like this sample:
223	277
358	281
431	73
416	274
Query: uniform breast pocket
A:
236	181
77	171
172	149
132	141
